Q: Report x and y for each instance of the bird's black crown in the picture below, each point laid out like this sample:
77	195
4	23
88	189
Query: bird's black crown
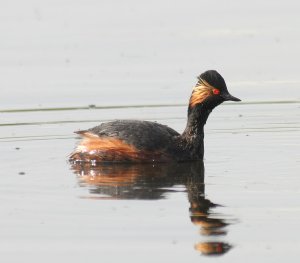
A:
214	79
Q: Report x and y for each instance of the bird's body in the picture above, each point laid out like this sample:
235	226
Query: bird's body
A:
145	141
127	141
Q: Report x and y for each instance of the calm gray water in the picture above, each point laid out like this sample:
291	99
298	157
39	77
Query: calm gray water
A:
139	60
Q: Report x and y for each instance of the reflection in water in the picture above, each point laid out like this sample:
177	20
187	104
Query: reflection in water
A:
154	181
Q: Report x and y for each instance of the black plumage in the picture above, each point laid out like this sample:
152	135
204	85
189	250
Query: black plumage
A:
144	135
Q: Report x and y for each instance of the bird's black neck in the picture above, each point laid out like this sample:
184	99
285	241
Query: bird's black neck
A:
194	132
197	117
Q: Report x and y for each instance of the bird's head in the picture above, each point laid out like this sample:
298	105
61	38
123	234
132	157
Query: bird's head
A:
210	91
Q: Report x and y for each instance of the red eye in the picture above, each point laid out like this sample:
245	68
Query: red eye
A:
216	91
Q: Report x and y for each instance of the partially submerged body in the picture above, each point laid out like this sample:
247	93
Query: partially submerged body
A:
130	141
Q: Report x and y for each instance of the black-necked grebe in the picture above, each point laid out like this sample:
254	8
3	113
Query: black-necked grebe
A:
145	141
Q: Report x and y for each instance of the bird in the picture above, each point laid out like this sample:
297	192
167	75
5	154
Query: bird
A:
136	141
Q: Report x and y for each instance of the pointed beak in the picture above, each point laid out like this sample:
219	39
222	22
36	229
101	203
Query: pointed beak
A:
228	96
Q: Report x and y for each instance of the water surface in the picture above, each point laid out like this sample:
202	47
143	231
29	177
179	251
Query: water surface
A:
246	205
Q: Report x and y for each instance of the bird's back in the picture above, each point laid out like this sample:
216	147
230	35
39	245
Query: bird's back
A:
126	140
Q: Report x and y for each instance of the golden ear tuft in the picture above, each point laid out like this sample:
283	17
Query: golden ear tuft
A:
200	92
199	95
